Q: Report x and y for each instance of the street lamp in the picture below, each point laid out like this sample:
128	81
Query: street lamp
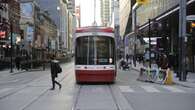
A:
58	8
60	28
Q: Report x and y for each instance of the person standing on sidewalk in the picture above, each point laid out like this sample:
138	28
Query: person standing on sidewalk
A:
54	72
17	62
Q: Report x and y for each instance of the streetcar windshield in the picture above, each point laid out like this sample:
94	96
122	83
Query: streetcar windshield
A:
95	50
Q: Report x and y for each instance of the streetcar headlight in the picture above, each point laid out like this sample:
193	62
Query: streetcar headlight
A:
110	60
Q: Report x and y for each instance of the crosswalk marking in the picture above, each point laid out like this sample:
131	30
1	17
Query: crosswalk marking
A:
173	89
5	90
126	89
150	89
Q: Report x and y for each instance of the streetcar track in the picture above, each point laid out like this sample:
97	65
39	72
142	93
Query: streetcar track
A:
76	98
114	98
28	85
35	99
12	93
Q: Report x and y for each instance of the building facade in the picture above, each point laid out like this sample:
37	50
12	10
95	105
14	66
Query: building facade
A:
71	24
58	10
164	15
105	12
47	35
39	32
78	15
124	10
9	25
4	20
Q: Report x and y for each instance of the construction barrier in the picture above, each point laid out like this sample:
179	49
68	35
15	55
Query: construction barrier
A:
169	77
160	76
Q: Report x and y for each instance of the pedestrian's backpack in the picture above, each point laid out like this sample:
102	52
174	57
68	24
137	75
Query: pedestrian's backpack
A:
58	68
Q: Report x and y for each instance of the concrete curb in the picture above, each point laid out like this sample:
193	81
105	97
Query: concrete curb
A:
185	85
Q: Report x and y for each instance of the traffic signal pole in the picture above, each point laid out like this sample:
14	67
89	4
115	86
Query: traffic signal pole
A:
11	30
182	40
149	35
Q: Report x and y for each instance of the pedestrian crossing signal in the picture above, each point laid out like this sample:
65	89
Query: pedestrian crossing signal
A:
141	2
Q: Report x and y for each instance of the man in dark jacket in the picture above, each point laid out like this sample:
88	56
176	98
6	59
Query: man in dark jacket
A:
53	64
17	62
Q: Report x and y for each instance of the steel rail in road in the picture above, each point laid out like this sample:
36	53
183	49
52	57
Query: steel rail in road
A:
107	89
114	98
75	100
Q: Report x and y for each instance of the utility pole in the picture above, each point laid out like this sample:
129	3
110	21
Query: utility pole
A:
134	28
94	23
149	35
182	40
11	30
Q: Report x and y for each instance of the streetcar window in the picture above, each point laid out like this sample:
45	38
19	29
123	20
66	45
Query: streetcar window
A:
81	50
95	50
105	50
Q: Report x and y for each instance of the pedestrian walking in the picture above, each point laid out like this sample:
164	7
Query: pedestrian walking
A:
55	69
17	62
127	58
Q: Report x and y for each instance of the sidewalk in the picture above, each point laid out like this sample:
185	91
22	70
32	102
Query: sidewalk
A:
190	82
6	72
190	78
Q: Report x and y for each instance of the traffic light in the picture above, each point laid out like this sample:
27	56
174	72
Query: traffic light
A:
141	2
193	26
2	34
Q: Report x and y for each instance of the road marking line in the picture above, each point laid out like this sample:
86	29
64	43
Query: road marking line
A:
173	89
126	89
5	90
150	89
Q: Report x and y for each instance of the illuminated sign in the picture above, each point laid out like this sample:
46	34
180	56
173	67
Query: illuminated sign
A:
193	24
2	34
141	2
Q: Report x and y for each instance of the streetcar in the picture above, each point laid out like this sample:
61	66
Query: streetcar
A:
95	55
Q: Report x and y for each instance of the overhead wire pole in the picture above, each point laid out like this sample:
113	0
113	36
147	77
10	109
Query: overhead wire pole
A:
95	13
182	40
149	35
11	30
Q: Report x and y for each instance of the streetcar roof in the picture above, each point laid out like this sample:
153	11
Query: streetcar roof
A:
95	29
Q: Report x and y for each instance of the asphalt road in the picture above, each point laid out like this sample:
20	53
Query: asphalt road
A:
30	91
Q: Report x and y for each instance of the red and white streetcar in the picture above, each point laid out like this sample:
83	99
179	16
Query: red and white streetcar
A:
95	56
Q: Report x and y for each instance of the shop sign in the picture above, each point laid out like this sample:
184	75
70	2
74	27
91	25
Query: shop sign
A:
30	34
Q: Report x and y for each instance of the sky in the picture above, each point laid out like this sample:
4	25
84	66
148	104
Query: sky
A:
87	12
